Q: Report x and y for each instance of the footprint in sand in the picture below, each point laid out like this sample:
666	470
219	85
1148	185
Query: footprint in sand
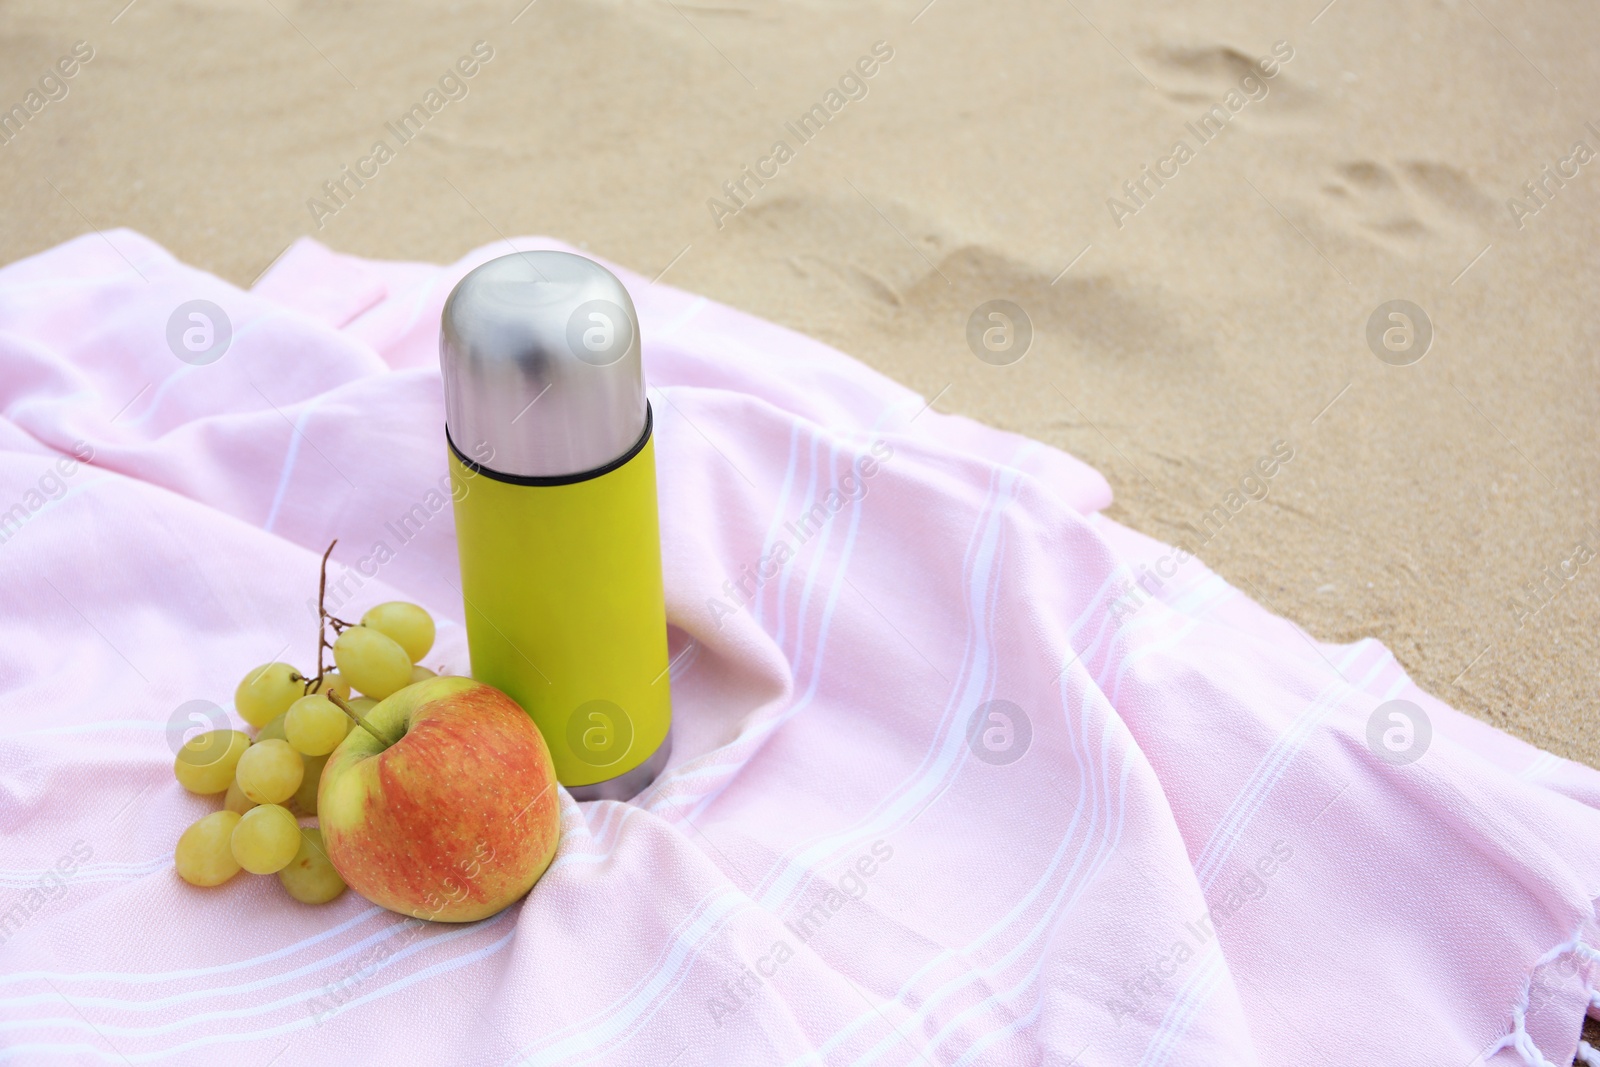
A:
1407	205
1205	76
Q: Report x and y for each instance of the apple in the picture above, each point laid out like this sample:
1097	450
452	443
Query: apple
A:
451	811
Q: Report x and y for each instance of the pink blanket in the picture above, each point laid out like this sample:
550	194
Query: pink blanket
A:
964	771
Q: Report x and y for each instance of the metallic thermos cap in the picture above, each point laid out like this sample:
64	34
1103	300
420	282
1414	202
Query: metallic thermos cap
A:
542	375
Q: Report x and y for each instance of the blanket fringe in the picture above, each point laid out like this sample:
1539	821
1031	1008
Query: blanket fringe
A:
1518	1038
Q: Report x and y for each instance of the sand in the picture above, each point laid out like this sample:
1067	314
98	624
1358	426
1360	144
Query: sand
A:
1176	336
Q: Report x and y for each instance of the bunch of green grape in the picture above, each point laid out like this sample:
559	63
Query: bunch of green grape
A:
270	780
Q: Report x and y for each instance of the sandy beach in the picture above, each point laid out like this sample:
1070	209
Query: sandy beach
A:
1193	309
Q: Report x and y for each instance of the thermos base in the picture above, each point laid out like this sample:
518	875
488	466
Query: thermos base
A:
628	785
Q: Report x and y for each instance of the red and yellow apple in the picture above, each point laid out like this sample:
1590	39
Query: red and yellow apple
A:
451	812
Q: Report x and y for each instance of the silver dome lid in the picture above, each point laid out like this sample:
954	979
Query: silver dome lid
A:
542	374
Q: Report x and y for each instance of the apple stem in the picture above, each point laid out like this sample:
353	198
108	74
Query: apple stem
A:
348	710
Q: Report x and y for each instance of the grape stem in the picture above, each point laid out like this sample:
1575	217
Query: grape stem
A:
324	621
348	710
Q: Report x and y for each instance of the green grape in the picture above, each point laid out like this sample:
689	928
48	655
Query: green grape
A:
304	801
409	625
419	673
314	726
267	691
331	682
361	706
372	662
272	731
206	762
237	802
310	877
204	855
266	839
270	771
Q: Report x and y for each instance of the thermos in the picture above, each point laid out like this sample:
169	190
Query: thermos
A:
552	467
